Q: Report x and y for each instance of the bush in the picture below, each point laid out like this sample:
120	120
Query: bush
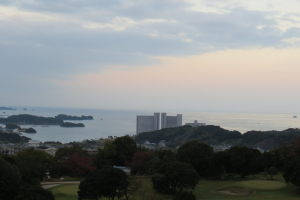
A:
185	196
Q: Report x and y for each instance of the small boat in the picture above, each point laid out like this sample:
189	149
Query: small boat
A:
295	117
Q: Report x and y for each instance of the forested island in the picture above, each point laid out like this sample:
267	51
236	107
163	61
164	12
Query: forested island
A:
69	124
6	108
69	117
30	130
31	119
215	135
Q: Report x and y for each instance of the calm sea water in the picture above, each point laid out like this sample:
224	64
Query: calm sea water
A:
119	123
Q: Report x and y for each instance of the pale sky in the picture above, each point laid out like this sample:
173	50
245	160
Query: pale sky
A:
202	55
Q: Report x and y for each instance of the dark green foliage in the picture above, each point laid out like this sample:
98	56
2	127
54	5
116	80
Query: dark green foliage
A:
65	153
168	134
13	137
33	192
197	154
243	161
272	171
30	130
69	117
160	183
214	134
118	152
31	159
31	119
22	184
185	196
106	182
268	160
292	170
10	180
69	124
12	126
173	176
292	162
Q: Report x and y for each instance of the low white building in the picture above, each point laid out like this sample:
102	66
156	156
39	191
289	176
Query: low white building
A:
34	143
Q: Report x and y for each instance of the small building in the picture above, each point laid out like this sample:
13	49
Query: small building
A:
34	143
195	124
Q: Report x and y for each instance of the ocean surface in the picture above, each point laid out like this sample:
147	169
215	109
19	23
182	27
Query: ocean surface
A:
119	123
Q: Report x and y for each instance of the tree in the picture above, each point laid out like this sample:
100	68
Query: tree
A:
197	154
35	160
78	165
292	162
17	185
175	176
125	147
66	152
10	180
138	163
272	171
105	182
33	192
243	161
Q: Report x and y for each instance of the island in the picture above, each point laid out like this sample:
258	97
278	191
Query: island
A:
31	119
6	108
30	130
69	124
69	117
12	126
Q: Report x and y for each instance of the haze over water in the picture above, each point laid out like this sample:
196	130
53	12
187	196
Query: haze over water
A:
120	123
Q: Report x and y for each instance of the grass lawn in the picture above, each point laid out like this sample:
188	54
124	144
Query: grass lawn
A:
276	189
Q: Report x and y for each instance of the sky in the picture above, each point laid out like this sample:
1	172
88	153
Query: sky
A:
197	55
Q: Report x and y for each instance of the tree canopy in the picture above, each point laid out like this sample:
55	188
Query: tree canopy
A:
106	182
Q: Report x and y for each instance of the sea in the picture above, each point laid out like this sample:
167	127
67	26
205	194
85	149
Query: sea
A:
123	122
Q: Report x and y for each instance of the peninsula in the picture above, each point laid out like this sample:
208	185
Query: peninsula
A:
6	108
69	117
69	124
215	135
31	119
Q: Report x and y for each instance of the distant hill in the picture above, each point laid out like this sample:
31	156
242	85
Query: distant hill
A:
31	119
69	117
216	135
6	108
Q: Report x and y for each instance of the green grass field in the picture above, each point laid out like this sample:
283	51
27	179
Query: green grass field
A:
276	189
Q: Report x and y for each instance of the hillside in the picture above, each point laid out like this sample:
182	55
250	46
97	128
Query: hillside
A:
216	135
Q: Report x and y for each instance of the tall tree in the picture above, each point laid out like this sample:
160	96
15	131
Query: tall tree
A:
197	154
175	176
125	148
105	182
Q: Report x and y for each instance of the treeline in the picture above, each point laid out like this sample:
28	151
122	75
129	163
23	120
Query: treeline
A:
172	172
215	135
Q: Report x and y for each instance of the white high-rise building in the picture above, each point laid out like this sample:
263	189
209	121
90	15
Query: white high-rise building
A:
170	121
147	123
